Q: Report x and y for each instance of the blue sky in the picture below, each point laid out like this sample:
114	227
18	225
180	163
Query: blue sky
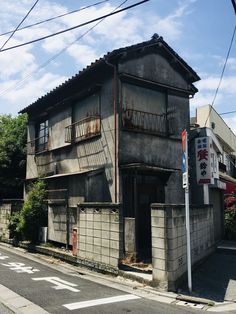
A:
198	30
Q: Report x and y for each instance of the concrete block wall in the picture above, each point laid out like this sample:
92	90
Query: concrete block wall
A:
57	223
100	234
169	257
5	213
7	208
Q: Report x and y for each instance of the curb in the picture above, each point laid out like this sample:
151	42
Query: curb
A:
141	280
193	299
18	304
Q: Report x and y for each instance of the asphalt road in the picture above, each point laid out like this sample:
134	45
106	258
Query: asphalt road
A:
67	291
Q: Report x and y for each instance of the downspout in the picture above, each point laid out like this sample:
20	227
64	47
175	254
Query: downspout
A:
114	95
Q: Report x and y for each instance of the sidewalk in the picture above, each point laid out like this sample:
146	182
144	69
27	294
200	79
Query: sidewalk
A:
215	279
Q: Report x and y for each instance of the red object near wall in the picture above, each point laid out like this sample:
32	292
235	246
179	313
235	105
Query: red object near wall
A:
75	242
230	188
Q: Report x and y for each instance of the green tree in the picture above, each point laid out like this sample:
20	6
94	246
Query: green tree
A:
13	137
33	214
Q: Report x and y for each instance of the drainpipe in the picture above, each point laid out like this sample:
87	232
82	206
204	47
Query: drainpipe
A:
114	92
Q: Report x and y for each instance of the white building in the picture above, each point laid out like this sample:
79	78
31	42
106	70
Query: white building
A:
206	116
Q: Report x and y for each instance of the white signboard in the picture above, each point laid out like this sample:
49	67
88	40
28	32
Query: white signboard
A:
203	160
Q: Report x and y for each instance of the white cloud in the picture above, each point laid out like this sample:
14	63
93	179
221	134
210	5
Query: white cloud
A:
82	54
201	99
171	27
228	84
13	14
56	44
231	63
18	62
30	91
231	122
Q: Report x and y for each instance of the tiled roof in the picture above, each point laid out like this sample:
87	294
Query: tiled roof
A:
112	56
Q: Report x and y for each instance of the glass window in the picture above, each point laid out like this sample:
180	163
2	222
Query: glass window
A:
41	143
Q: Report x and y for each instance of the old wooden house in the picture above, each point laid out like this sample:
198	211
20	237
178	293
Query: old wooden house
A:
111	135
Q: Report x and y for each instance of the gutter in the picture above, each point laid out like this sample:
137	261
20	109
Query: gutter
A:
114	92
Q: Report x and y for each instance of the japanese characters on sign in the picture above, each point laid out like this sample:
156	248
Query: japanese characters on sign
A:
203	160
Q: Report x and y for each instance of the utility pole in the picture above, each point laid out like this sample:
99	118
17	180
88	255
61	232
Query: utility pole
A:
187	215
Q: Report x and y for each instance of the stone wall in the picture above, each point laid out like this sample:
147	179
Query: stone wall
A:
100	235
169	251
7	208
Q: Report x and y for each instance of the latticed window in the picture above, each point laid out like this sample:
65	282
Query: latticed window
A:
41	141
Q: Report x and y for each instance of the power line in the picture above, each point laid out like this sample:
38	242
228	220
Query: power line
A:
54	18
1	49
43	65
229	112
74	27
222	74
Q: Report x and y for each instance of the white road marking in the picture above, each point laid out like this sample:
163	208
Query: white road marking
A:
59	283
21	268
2	257
83	304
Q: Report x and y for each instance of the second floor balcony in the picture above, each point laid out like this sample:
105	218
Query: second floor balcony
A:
83	129
141	121
37	145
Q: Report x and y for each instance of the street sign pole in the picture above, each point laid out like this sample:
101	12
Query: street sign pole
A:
186	187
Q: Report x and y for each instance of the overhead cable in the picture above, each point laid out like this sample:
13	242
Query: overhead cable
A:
74	27
222	74
1	49
43	65
229	112
54	18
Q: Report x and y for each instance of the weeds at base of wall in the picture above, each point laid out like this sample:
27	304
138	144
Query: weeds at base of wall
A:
98	267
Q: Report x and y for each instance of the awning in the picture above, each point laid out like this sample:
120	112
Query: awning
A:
230	183
145	167
73	173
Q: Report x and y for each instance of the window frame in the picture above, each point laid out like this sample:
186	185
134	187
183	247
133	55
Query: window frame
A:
41	136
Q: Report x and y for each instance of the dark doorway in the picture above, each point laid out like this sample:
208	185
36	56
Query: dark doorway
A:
140	190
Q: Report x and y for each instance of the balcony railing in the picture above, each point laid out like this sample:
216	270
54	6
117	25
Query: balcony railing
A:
144	121
83	129
38	145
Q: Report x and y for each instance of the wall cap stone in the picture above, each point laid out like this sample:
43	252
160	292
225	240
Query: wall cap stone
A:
179	206
10	201
99	205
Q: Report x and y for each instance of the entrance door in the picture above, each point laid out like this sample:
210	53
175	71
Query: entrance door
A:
149	190
139	192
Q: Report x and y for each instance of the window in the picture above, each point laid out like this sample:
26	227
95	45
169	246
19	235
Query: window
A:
41	140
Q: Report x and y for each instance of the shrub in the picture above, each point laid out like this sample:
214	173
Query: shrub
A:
230	216
12	226
33	214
